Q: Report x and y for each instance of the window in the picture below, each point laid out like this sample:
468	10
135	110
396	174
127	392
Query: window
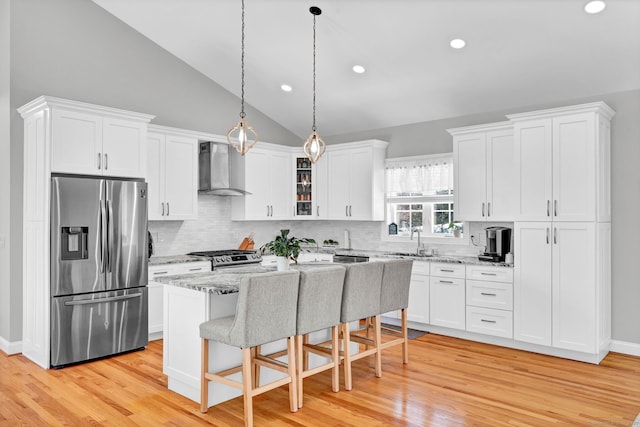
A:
420	196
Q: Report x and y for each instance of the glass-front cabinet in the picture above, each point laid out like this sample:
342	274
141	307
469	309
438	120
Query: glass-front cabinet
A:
305	181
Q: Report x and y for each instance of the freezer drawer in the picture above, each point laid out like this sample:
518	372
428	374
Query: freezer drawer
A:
89	326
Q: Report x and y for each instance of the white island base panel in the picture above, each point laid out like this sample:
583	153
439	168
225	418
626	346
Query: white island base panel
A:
184	310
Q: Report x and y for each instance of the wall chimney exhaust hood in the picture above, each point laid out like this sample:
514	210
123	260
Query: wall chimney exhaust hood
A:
213	163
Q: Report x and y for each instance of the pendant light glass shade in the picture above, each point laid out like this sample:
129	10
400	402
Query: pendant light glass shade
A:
314	146
242	136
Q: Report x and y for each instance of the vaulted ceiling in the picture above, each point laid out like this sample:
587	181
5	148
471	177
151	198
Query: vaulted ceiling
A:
517	53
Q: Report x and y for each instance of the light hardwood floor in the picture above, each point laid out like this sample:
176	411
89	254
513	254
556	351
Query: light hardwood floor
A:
448	382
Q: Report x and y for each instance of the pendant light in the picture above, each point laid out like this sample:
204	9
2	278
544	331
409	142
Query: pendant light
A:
314	146
242	136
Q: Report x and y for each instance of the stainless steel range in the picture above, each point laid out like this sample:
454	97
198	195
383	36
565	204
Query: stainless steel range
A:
230	257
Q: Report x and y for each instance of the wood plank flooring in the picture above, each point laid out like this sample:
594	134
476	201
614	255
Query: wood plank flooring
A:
448	382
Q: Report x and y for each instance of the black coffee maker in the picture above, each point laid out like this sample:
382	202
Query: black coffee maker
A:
498	244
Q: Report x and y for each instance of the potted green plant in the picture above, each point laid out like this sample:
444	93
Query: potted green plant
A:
455	228
285	248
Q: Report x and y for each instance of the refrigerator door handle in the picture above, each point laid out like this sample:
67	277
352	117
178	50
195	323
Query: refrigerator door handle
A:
103	235
109	234
103	300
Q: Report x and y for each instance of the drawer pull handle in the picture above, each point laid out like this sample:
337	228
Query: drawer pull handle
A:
157	273
446	271
487	321
195	269
487	294
488	274
446	281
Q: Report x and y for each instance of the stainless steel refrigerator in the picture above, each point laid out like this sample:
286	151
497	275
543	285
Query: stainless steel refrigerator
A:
99	258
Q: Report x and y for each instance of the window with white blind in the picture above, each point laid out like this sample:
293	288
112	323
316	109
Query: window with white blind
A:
420	196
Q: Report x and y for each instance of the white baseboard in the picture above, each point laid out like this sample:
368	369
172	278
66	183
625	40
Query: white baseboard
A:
630	348
10	347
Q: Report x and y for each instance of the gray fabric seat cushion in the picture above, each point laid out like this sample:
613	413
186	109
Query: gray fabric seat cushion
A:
265	311
361	294
319	298
396	279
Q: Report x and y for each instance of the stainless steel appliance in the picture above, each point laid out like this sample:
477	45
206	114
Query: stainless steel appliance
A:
230	257
213	167
498	244
99	257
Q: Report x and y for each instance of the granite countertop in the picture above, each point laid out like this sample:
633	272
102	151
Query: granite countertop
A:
226	280
175	259
457	259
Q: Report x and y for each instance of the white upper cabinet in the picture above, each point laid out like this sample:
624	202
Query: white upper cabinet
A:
172	174
562	161
266	172
483	172
94	140
355	180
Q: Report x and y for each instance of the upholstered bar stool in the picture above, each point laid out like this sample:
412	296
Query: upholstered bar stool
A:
265	312
361	300
394	295
319	303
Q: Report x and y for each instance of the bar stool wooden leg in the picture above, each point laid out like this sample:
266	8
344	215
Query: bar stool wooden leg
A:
292	368
405	337
346	351
378	340
335	353
204	383
256	368
247	386
300	368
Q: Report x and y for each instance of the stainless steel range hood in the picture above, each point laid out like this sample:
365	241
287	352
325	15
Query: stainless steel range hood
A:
213	162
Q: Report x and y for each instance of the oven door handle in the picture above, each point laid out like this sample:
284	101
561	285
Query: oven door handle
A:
103	300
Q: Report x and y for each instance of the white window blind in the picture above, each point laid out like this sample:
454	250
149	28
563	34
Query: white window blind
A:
419	176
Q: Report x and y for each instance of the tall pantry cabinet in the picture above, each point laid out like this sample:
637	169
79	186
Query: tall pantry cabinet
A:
562	233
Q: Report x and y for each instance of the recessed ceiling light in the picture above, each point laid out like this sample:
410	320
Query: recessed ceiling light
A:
358	69
594	7
457	43
286	88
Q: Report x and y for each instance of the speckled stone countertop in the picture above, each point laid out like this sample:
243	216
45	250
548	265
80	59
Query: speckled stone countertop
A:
432	258
175	259
226	280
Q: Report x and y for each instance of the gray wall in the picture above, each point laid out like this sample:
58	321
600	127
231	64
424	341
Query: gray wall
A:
5	290
73	49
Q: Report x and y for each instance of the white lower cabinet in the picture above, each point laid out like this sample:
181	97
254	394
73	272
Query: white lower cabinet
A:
447	295
489	300
418	309
156	310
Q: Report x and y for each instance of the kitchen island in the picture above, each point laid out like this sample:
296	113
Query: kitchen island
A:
190	300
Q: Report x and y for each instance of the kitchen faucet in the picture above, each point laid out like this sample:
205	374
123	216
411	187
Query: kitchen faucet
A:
420	248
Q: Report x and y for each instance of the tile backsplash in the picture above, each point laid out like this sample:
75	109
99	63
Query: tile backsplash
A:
214	230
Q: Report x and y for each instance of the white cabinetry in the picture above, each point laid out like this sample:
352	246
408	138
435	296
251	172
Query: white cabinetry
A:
483	172
489	300
562	159
93	140
562	265
266	172
418	310
172	174
156	299
355	180
447	295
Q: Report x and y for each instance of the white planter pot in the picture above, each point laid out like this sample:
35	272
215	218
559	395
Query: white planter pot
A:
282	263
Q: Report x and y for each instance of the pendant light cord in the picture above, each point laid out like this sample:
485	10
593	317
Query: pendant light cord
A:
242	113
313	128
